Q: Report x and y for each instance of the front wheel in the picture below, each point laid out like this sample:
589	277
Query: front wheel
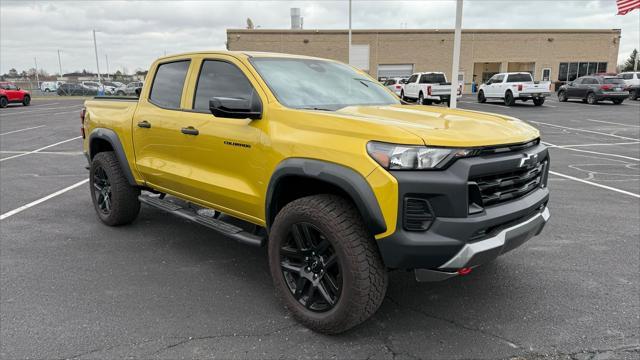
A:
538	101
509	100
114	199
562	96
325	265
481	98
26	100
591	99
617	101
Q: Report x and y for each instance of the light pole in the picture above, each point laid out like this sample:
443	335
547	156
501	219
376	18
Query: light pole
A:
59	63
453	96
35	61
95	47
349	54
106	57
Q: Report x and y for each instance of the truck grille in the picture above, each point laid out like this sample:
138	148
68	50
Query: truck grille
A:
499	188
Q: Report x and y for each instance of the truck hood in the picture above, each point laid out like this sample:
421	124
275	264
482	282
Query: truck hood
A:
447	127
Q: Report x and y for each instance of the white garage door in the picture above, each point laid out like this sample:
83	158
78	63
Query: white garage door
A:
395	70
359	57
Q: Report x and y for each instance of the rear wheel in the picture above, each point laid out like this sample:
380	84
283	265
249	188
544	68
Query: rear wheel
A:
538	101
114	199
562	96
421	99
633	94
325	266
26	100
481	98
509	100
591	99
617	101
3	102
120	93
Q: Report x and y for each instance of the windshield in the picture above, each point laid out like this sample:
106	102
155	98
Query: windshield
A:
320	84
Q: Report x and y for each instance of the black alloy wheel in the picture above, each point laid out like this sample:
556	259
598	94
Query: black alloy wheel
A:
102	190
310	268
591	99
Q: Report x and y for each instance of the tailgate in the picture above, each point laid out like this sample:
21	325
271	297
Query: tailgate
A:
535	88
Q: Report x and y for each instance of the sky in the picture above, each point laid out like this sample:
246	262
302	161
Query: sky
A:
134	33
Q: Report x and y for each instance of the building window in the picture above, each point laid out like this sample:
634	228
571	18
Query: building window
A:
569	71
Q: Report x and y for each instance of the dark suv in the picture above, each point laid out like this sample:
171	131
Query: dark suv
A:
591	89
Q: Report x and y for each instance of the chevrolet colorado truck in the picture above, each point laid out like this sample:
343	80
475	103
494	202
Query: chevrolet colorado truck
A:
325	167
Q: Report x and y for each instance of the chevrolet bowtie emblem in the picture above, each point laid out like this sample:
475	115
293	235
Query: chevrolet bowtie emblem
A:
528	160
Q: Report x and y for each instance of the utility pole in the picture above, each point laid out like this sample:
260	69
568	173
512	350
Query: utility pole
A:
349	55
95	47
106	57
59	63
453	100
37	79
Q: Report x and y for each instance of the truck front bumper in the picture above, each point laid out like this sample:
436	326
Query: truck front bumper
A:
462	234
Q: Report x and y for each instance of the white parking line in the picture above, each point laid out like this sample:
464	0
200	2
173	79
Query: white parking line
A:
41	110
589	151
596	184
41	200
599	144
25	129
610	122
42	152
42	148
584	130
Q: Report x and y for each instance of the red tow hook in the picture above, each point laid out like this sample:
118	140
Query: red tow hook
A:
464	271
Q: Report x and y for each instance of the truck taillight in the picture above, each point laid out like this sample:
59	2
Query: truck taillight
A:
519	87
429	90
398	87
83	112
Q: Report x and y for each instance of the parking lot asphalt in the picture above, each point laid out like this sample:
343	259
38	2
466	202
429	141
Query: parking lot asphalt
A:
71	287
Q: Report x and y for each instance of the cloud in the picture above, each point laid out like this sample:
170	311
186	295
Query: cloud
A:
134	33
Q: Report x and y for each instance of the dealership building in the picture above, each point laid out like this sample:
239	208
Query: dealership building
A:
554	55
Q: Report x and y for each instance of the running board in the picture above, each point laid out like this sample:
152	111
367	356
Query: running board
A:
220	226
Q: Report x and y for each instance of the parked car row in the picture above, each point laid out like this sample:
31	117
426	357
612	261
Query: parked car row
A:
96	88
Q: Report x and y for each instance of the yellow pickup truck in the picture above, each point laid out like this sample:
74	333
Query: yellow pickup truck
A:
323	165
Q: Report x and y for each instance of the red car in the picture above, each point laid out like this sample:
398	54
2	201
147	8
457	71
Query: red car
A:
10	93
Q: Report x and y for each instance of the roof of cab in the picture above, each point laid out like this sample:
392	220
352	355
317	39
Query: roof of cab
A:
242	54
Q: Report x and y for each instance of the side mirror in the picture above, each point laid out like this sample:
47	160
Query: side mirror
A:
235	108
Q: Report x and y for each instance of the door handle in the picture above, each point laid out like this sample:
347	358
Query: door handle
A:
190	131
144	124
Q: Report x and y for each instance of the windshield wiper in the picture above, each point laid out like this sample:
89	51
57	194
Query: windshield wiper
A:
315	108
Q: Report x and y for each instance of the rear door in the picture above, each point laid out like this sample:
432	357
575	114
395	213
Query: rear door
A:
156	128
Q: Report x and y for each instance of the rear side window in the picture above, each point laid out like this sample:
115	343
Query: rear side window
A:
627	76
613	81
519	78
166	90
435	79
221	79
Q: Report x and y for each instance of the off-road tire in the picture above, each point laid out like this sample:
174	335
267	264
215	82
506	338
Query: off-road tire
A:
3	102
617	101
481	97
591	99
125	205
562	96
538	101
26	100
509	100
364	279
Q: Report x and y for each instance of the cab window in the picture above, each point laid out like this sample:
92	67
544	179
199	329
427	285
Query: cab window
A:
168	83
221	79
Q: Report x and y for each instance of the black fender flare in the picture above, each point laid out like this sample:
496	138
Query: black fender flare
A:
112	138
348	180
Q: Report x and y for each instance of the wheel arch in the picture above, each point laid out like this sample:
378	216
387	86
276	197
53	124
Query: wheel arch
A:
101	140
294	178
